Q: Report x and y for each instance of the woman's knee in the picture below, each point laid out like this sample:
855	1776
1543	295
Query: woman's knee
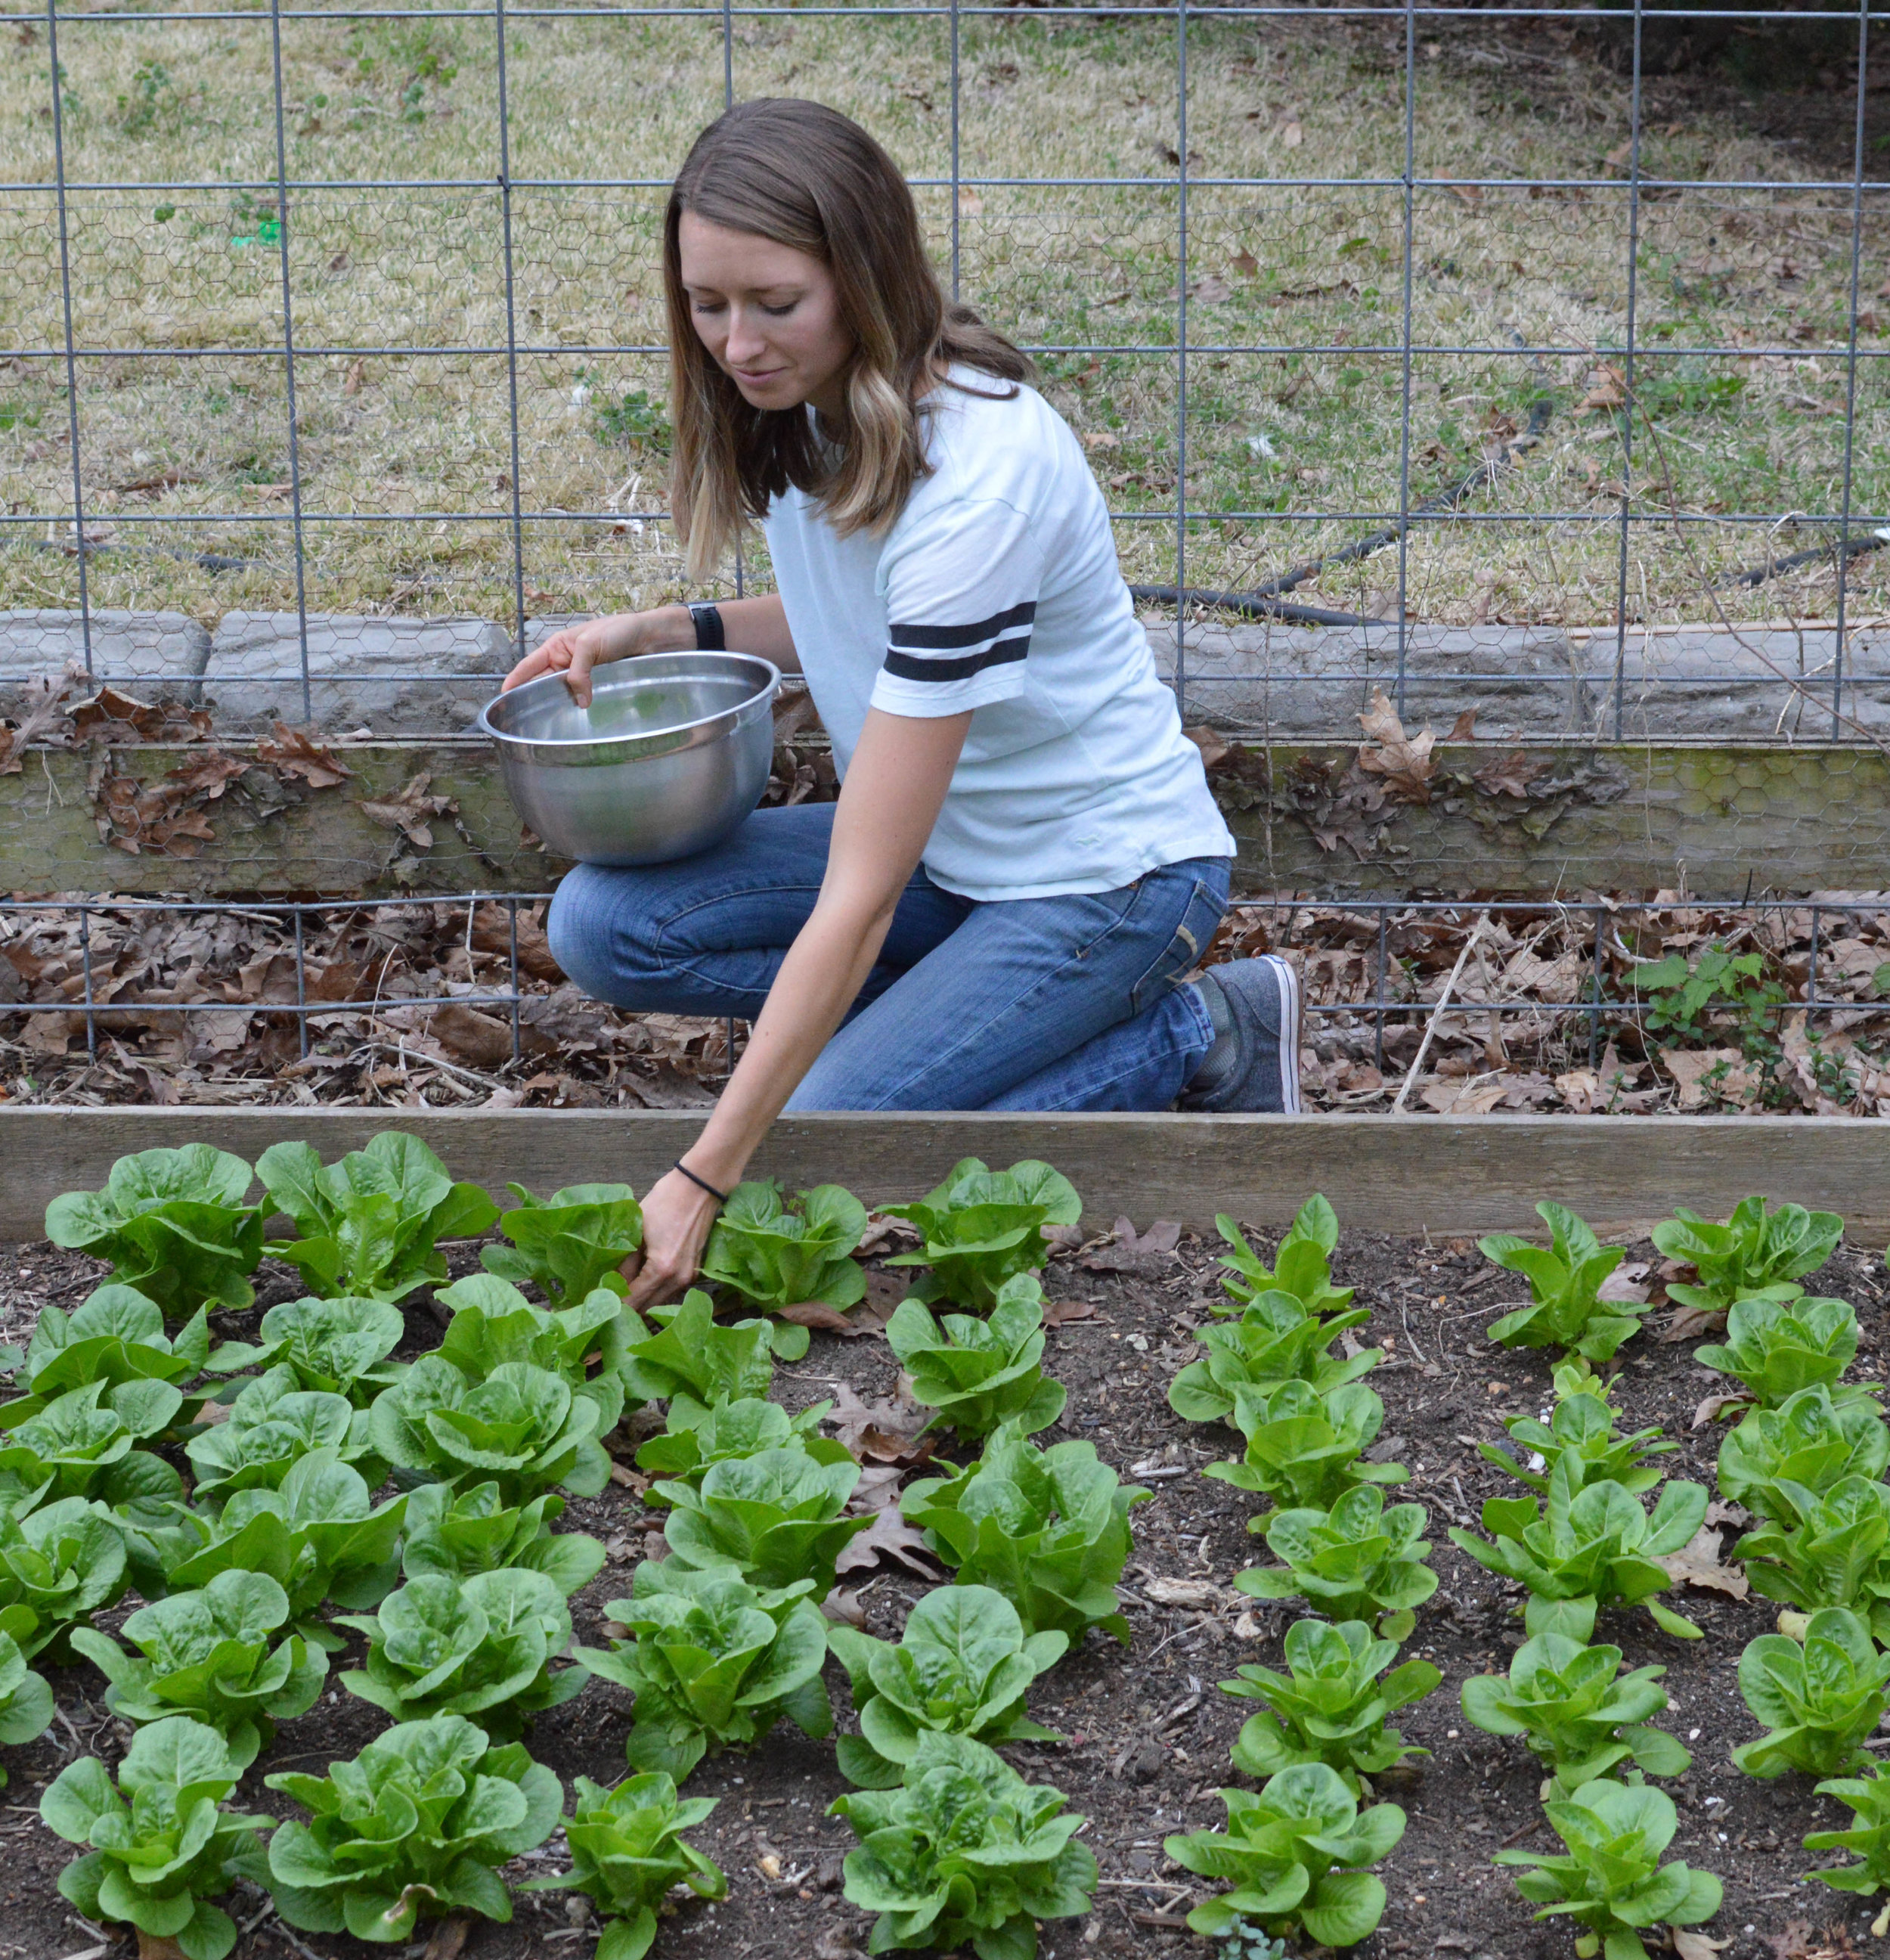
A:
593	932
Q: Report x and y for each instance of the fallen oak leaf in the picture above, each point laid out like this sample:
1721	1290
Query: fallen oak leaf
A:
1623	1283
408	812
888	1432
1697	1563
1056	1312
842	1603
1712	1407
889	1535
1404	761
1687	1323
1147	1255
294	751
865	1318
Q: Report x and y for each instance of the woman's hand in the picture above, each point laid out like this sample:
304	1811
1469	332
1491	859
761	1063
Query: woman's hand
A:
574	651
677	1216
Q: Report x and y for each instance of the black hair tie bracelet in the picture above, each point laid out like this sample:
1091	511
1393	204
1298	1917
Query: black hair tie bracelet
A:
701	1183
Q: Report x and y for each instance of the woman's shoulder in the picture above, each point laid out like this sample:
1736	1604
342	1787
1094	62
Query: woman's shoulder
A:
988	436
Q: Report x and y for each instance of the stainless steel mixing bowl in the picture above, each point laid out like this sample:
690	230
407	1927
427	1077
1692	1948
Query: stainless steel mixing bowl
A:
670	757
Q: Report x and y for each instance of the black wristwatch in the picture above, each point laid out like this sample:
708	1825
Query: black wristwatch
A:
710	637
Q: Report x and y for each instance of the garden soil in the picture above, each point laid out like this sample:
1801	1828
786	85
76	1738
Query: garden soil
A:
1147	1730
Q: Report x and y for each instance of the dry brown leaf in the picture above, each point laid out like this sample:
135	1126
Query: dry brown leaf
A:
409	811
1711	1408
1464	1099
1056	1311
1697	1563
294	751
1214	748
1464	729
1212	290
865	1319
843	1604
120	717
1704	1074
1692	1944
1150	1255
1688	1323
450	1936
1202	1595
1510	775
1624	1283
492	933
1720	1512
1245	263
480	1038
887	1432
1403	761
42	709
885	1235
878	1486
1579	1089
890	1536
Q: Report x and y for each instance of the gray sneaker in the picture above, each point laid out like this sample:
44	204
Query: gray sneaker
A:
1254	1063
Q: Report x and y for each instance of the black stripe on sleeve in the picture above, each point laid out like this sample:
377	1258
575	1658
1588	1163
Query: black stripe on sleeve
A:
1001	653
946	637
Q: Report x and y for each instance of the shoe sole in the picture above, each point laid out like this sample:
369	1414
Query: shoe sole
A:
1290	1013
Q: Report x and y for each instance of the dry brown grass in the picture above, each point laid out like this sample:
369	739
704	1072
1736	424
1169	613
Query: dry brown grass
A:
402	434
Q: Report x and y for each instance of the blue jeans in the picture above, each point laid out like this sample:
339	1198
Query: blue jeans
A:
1024	1003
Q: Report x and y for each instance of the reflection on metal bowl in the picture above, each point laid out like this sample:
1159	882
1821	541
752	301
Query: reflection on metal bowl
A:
669	758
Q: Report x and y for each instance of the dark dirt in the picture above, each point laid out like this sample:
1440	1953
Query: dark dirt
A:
1148	1732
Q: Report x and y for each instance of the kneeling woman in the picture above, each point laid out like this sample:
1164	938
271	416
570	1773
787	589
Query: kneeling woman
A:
1024	860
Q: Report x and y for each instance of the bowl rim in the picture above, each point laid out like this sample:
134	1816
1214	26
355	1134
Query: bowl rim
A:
768	686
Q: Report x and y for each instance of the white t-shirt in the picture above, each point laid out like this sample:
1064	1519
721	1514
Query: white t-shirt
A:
998	590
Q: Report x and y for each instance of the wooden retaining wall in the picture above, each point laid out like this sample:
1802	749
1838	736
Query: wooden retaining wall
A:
1543	816
1400	1174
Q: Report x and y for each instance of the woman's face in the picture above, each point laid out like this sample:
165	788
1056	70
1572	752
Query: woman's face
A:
768	315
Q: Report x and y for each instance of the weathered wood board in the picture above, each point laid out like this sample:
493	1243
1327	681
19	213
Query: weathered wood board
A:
1390	1174
1578	816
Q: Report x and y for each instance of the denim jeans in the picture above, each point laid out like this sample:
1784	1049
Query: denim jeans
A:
1071	1003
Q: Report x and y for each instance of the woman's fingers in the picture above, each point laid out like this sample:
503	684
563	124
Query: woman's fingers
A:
677	1220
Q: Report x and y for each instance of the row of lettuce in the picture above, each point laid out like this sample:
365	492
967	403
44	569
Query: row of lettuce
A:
1806	1461
458	1583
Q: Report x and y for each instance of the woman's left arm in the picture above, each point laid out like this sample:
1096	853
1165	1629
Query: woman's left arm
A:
895	785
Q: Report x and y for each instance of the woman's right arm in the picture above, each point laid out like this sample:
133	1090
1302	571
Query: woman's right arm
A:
750	625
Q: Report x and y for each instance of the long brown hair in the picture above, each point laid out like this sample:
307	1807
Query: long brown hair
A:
804	176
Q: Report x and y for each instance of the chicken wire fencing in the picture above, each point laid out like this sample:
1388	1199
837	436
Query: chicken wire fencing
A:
1491	358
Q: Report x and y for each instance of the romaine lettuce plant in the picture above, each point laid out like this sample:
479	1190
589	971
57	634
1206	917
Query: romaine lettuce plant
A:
115	1335
1294	1851
369	1223
980	1227
335	1347
172	1224
272	1424
521	1428
775	1255
413	1829
698	1437
774	1518
82	1441
493	1323
962	1667
63	1563
1330	1707
1565	1308
715	1663
1756	1252
1582	1427
1276	1339
480	1647
1356	1561
1579	1715
569	1244
1832	1550
1778	1348
155	1861
454	1534
1049	1528
1821	1698
1612	1880
1808	1444
1304	1449
627	1850
318	1536
978	1373
207	1654
26	1700
964	1853
1301	1268
1591	1544
692	1358
1868	1798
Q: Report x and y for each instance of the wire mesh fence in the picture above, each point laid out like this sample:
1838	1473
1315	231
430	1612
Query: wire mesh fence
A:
1450	343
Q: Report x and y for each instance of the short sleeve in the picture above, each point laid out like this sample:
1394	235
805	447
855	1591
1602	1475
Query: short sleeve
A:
961	589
